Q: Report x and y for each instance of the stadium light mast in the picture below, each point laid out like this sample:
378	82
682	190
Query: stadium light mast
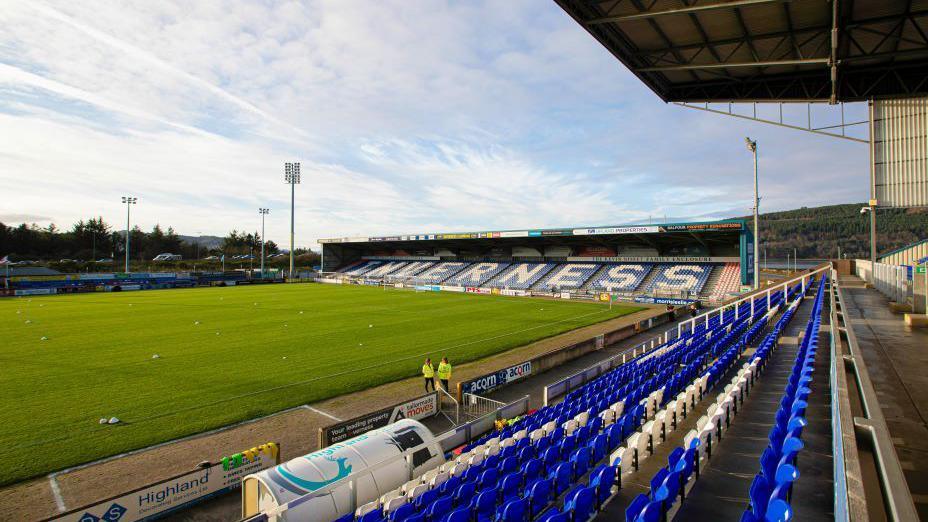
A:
292	176
263	212
752	146
129	201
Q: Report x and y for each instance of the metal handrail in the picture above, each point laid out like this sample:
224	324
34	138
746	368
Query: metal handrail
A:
853	430
752	297
457	407
481	405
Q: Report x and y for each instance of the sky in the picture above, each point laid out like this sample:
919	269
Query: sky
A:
407	116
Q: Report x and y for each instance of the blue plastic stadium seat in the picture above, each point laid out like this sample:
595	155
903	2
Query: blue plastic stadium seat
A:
449	486
561	476
539	495
488	478
510	486
371	516
426	498
531	470
402	513
458	515
778	511
345	518
463	495
602	480
483	505
515	510
636	507
436	510
553	515
581	503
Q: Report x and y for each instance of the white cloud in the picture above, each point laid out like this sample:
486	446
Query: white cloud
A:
408	116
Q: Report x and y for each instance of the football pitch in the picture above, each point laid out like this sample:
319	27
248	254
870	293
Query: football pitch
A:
226	355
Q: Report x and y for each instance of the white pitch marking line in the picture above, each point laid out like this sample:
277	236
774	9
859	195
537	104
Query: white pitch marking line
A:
320	412
56	492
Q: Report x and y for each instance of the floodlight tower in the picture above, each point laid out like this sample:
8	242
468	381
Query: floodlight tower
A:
129	201
752	146
263	212
292	176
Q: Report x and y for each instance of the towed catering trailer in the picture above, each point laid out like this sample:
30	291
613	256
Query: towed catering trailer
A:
373	461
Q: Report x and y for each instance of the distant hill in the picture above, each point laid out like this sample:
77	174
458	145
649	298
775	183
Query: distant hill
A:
209	242
817	232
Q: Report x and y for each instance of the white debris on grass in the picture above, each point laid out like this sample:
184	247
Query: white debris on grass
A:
301	312
156	356
196	323
113	420
370	326
44	338
103	420
28	321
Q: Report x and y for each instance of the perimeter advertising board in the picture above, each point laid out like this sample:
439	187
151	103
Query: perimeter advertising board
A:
418	408
491	381
162	497
664	300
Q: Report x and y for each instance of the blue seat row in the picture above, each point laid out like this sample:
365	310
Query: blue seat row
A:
771	488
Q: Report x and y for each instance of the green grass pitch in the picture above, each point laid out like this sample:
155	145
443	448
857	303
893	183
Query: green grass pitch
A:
225	355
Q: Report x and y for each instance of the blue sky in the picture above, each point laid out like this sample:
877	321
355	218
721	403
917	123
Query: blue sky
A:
407	116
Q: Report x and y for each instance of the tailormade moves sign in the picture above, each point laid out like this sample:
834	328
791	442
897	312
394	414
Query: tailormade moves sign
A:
418	408
162	497
495	380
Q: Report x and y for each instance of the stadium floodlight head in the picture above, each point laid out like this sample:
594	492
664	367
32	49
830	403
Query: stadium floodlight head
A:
292	172
263	211
129	201
752	145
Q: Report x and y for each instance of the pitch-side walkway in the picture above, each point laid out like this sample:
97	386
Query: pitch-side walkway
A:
897	360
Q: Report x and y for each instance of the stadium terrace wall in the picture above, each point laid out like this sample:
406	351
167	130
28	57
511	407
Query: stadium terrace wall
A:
505	376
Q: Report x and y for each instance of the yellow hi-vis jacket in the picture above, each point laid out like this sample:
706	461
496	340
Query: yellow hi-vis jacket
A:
428	371
444	371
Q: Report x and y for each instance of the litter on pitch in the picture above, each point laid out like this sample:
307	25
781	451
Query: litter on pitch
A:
28	321
44	338
156	356
301	312
103	420
196	322
113	420
370	326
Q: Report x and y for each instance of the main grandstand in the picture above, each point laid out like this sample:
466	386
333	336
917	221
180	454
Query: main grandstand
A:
674	263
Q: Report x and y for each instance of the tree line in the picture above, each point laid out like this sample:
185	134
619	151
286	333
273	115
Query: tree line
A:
94	240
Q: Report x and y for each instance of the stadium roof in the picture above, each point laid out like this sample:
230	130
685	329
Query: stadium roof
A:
728	225
765	50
